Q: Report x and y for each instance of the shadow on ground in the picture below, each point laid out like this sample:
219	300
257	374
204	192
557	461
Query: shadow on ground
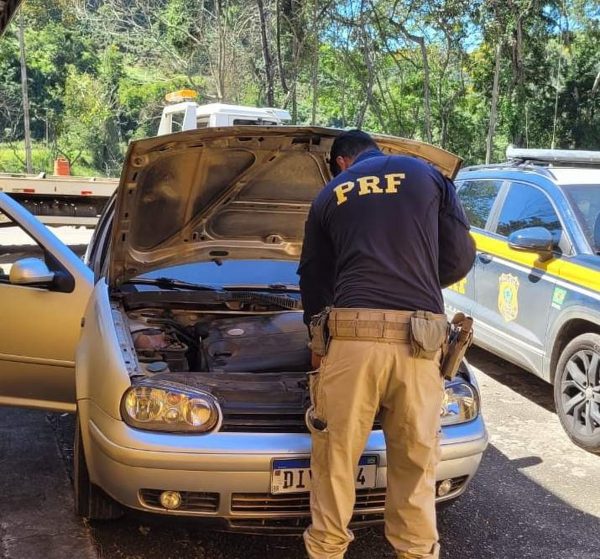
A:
527	384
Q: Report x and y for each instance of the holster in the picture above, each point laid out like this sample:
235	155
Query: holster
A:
428	333
459	340
319	332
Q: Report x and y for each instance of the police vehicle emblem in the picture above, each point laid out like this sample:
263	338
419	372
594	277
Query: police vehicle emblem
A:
508	296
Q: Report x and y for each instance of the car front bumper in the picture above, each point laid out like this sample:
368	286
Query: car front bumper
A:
227	476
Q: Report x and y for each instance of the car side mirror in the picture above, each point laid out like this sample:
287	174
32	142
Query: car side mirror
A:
30	271
533	239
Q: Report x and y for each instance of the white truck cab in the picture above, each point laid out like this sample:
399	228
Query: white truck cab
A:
185	114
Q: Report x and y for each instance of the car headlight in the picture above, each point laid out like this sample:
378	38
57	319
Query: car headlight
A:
461	403
166	406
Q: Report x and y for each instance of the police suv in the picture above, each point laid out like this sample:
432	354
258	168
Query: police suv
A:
534	289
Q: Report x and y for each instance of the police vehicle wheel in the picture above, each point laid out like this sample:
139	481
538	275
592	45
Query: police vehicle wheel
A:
577	391
90	501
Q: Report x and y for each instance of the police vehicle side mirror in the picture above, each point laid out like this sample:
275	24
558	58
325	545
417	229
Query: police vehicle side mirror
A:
533	239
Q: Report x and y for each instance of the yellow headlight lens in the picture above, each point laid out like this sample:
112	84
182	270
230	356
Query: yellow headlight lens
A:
460	404
197	411
145	404
168	408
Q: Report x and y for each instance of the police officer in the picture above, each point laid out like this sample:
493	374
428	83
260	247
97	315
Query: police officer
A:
381	240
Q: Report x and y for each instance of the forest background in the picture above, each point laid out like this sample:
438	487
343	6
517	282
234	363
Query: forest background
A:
469	75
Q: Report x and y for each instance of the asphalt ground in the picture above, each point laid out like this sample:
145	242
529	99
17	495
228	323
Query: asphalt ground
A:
536	495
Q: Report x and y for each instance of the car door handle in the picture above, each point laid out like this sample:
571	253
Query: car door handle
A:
484	257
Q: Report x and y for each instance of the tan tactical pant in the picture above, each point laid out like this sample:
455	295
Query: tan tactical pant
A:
367	371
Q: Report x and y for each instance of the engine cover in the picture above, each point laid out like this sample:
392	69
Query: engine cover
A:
269	343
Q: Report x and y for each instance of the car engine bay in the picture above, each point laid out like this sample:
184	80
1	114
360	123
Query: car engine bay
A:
227	341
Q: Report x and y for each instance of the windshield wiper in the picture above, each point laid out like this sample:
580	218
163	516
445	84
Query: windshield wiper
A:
269	288
167	283
266	295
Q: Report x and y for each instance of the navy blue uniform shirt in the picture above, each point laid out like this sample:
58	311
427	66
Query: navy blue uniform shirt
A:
387	233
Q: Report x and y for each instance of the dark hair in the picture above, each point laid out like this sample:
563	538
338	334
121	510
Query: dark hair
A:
349	144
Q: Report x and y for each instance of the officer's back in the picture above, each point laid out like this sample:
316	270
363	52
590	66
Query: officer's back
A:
393	224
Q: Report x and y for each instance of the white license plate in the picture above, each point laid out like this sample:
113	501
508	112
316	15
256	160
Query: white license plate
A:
294	475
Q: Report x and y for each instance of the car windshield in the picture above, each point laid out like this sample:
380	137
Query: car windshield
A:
232	273
585	199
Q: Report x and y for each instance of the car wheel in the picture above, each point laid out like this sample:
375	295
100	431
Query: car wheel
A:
577	391
90	501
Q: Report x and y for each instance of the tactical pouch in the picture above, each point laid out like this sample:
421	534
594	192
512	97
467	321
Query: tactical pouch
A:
428	333
313	421
319	332
460	338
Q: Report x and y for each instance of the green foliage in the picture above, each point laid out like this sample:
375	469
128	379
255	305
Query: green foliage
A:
98	71
141	95
85	115
11	160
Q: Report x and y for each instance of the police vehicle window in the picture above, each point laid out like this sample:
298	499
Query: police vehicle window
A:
477	198
585	200
526	206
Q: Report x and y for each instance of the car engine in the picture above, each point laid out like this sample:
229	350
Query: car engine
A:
266	342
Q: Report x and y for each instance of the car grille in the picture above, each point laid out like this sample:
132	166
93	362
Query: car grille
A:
190	500
298	502
299	505
264	422
250	422
293	524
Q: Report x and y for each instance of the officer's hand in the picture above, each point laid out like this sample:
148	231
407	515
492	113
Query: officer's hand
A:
315	360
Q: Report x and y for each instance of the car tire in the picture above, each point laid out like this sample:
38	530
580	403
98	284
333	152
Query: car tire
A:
577	391
90	501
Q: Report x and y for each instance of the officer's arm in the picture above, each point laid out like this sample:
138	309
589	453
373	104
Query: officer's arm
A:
316	268
457	248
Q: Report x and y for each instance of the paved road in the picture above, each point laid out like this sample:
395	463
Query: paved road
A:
535	496
36	503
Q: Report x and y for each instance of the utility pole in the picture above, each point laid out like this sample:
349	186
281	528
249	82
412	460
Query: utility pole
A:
25	95
494	108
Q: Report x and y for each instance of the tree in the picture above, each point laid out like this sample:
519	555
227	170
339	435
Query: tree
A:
469	75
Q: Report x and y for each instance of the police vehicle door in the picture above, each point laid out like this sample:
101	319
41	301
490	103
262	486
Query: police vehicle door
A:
513	291
477	198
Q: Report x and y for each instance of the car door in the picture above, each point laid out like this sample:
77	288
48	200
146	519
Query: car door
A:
513	291
477	198
40	321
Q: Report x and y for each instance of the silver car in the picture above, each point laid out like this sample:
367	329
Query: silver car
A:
180	343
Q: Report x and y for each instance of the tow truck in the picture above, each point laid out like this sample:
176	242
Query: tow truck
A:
69	200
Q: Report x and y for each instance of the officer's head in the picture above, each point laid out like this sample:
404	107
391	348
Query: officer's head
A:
346	147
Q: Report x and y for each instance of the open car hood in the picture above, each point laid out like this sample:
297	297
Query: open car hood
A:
218	193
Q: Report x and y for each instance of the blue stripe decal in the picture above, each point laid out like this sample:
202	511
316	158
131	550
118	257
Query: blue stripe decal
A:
289	464
305	463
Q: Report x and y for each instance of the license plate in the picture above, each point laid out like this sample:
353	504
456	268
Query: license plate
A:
294	475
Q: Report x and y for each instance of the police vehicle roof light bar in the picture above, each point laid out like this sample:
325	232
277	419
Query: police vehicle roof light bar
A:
553	155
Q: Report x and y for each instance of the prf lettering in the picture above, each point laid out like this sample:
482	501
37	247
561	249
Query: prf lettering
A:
369	185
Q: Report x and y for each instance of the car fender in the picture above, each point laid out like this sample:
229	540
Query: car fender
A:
101	371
